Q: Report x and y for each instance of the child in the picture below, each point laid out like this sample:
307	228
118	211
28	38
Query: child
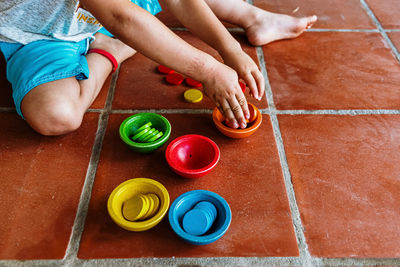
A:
50	47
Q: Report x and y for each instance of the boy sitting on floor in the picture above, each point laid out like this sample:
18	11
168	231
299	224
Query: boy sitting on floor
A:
50	50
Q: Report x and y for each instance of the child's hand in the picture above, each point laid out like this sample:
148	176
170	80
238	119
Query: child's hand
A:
223	88
248	71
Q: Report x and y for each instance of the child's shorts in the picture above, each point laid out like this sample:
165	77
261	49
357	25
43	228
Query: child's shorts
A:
31	65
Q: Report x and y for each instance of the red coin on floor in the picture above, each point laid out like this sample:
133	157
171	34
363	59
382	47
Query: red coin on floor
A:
164	69
243	86
192	82
174	78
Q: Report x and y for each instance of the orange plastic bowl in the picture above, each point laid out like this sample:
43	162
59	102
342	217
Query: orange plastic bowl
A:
218	120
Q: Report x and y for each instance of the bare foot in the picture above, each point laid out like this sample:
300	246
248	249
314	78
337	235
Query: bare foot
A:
269	27
114	46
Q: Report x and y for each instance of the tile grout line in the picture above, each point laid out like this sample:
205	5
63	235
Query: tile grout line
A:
31	263
358	261
207	261
80	218
351	112
7	109
163	111
380	28
197	261
79	223
344	112
304	254
268	90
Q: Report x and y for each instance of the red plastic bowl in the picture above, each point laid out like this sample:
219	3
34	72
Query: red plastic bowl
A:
192	156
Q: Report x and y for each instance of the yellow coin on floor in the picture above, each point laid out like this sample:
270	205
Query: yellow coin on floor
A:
193	95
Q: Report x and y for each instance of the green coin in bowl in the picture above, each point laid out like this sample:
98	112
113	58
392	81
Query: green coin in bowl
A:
129	127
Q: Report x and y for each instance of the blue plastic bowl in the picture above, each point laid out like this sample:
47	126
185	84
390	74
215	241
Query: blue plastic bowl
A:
186	202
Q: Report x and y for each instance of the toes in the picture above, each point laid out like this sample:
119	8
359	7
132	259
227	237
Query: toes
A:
310	21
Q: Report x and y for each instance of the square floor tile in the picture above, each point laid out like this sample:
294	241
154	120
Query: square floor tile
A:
387	12
332	70
345	171
5	87
41	181
248	176
337	14
140	86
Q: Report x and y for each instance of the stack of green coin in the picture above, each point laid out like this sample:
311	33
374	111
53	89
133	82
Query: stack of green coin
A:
146	134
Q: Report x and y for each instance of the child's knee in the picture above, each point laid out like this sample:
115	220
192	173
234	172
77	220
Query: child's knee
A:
56	120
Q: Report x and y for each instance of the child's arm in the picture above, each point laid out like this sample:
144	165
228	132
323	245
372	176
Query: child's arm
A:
199	19
143	32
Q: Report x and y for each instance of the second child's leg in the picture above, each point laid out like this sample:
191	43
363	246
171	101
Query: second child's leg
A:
58	107
261	26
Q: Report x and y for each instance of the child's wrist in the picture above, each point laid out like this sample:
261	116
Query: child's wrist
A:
203	68
233	48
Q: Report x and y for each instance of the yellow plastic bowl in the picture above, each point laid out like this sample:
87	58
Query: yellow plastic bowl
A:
130	188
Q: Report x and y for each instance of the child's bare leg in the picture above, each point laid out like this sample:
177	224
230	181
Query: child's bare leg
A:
262	27
57	107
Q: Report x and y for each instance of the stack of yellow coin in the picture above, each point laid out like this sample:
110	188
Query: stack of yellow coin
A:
141	207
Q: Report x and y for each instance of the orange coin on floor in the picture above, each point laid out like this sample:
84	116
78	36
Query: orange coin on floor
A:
193	95
164	69
192	82
174	78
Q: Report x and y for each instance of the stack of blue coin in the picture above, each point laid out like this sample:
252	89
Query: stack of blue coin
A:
199	220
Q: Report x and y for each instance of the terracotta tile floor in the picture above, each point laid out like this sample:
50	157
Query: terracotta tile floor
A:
318	184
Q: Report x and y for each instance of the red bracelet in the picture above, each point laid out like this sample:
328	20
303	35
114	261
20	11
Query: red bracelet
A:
107	55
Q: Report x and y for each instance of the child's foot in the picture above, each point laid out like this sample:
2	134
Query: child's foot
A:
269	27
114	46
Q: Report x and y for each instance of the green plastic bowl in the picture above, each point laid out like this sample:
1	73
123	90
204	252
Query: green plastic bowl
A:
134	122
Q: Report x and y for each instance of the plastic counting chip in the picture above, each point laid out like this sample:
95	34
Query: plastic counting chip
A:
141	207
154	205
164	69
193	95
174	78
192	82
135	208
199	220
242	86
253	114
146	134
